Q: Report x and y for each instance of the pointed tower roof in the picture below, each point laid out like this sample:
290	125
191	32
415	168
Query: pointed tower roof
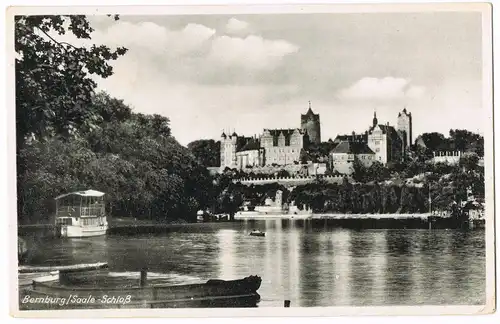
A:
309	111
375	120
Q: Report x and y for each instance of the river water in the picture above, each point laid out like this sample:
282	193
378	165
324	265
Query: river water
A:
309	266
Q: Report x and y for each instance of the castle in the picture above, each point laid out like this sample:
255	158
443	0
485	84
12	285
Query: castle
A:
380	142
279	147
274	147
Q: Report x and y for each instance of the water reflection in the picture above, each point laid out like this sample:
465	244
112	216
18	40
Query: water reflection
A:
309	265
341	264
227	246
294	259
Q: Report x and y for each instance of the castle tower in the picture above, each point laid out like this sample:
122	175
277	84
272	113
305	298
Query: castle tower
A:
228	150
310	123
375	120
405	125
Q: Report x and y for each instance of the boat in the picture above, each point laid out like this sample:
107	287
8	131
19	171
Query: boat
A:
200	216
81	214
257	233
212	293
70	274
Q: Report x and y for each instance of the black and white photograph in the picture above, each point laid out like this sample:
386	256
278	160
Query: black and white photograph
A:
251	159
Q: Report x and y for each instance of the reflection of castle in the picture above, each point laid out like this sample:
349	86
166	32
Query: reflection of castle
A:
275	146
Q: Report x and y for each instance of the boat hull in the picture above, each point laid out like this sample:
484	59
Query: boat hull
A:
213	293
83	231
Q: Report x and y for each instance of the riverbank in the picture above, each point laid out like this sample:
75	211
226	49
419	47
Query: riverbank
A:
250	215
365	221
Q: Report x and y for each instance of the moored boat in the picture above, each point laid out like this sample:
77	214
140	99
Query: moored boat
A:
81	214
257	233
213	293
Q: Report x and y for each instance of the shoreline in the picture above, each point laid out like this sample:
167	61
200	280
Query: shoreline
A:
348	221
333	216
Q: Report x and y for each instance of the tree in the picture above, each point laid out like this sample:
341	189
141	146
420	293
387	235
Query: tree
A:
360	171
53	78
469	162
463	140
207	152
377	172
303	157
435	141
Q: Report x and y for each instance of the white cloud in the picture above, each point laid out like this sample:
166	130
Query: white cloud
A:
158	39
387	88
235	26
150	41
252	52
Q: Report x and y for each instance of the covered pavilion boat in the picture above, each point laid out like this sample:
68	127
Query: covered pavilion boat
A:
81	214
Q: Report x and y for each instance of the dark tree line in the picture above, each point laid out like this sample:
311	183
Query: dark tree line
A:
457	140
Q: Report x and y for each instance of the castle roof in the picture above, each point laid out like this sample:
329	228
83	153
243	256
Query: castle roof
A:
352	147
241	141
252	144
309	112
404	112
350	137
286	132
390	131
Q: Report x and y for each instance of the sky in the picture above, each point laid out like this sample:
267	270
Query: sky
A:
243	73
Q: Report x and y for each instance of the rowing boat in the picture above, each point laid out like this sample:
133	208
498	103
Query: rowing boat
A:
212	293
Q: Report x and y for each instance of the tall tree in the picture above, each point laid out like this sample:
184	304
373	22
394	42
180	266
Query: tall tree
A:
54	84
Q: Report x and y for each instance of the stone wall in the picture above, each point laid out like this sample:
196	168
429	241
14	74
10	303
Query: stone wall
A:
447	157
290	181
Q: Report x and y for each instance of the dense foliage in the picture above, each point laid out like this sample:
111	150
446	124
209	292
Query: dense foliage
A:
131	157
207	152
458	140
54	82
70	138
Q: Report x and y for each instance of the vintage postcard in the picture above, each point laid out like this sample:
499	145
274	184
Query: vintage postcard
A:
286	160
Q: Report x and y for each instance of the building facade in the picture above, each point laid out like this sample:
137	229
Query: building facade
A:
239	151
283	146
273	147
385	141
250	155
343	155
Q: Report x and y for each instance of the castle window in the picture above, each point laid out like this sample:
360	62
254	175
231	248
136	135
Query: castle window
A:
377	150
